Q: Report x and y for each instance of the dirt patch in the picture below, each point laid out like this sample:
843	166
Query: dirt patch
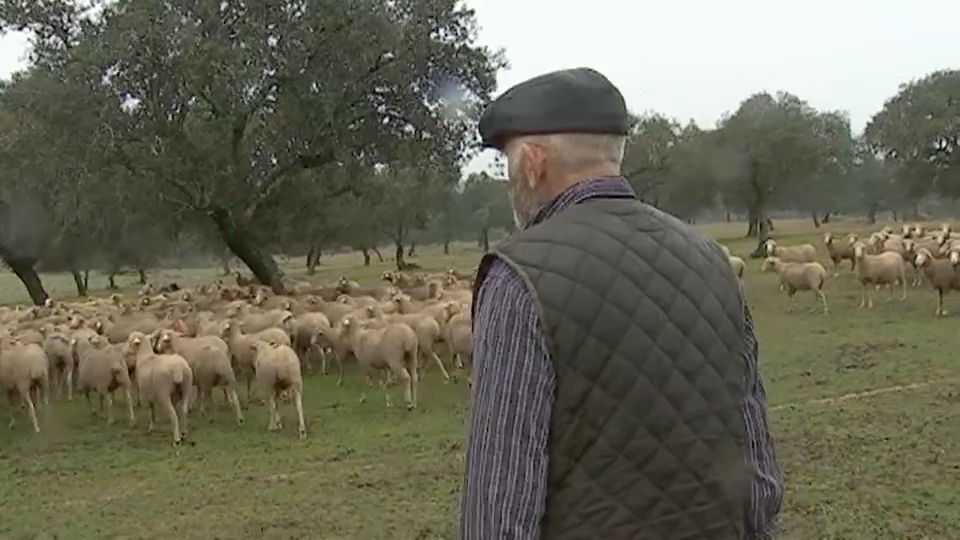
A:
863	355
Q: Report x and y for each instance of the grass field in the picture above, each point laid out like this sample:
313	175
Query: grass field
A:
878	463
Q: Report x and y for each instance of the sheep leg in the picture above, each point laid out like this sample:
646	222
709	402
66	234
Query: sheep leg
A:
31	411
790	294
903	281
823	299
234	400
11	397
386	393
273	424
443	370
69	377
153	417
109	405
132	417
101	400
184	410
301	424
201	398
174	421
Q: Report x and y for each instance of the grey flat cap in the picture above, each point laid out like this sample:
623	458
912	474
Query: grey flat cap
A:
579	100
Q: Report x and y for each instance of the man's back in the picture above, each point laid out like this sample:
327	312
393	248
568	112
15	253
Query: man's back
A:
643	321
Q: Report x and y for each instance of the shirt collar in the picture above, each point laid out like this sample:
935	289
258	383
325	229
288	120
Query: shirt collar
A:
610	187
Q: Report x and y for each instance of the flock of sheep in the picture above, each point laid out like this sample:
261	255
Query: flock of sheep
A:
884	259
171	350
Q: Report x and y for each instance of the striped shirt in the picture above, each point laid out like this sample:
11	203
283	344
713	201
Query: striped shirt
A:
505	485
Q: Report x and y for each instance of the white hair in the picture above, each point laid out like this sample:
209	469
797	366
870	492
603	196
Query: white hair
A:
576	151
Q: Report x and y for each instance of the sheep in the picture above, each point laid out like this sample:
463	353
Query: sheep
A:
209	358
392	348
884	268
163	380
942	275
102	368
24	373
278	369
238	344
799	253
795	277
60	356
738	265
306	325
275	318
839	253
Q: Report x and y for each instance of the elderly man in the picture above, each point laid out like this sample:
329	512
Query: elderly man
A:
616	393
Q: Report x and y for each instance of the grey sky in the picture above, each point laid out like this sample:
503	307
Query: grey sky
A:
702	59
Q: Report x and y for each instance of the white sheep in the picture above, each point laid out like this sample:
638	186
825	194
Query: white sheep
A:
798	253
886	268
941	273
163	380
24	372
278	370
102	368
808	276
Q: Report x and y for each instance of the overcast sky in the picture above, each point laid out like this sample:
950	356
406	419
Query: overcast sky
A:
701	60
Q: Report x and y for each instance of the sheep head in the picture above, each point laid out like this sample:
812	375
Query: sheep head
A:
771	246
923	257
954	257
859	250
769	263
828	238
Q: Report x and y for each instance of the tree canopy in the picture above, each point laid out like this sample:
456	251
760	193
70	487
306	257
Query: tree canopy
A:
147	128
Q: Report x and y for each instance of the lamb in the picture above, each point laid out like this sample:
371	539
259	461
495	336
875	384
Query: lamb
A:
239	343
799	253
209	358
278	369
794	277
163	380
884	268
392	348
840	253
941	273
24	372
103	369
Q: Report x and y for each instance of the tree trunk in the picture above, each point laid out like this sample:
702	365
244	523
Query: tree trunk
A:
485	239
240	243
23	268
112	281
826	218
895	216
78	281
313	259
142	275
86	279
412	252
377	251
816	219
872	214
728	216
401	264
763	234
366	256
753	221
446	247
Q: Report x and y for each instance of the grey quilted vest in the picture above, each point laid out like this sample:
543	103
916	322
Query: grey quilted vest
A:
644	321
